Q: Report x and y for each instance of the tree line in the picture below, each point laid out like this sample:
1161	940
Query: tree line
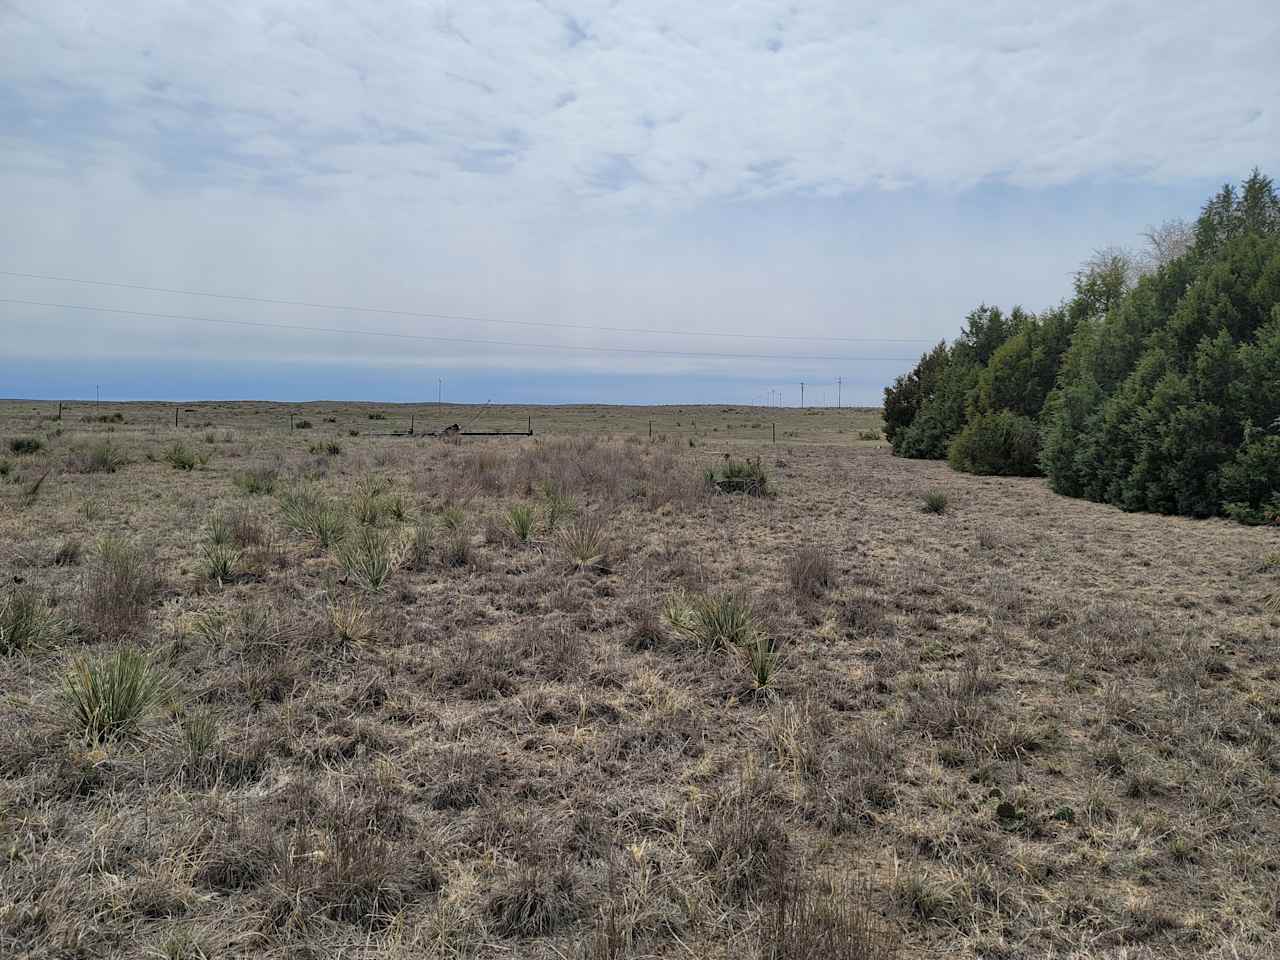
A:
1155	386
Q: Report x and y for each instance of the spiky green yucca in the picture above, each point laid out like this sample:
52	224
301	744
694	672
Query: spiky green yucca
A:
935	501
257	480
723	621
762	661
368	557
26	621
314	516
220	562
180	457
558	509
108	699
584	544
520	521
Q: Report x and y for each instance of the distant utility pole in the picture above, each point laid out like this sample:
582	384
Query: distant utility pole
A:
839	386
440	390
802	394
97	396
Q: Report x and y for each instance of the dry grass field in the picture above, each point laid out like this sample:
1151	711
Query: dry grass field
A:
316	694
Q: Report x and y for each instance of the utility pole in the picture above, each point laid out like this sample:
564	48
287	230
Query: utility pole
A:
801	394
839	386
440	390
97	396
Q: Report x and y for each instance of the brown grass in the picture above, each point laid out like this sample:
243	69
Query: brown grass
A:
1024	727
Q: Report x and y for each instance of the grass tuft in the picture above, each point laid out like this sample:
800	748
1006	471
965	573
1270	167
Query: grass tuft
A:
935	501
27	622
520	521
25	446
98	457
810	572
584	544
368	558
117	591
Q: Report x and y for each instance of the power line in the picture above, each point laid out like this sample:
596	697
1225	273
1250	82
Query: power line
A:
448	316
438	339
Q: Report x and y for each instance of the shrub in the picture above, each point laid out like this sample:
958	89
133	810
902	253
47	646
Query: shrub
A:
584	544
329	448
23	446
557	509
107	699
935	501
302	425
6	468
257	480
810	572
367	558
452	518
1000	444
97	457
520	520
117	591
26	621
739	476
455	548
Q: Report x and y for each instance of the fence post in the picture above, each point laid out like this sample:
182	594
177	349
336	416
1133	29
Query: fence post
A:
531	426
291	421
175	416
411	424
775	433
650	429
59	409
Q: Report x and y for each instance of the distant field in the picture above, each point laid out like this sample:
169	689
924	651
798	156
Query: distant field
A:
556	697
714	422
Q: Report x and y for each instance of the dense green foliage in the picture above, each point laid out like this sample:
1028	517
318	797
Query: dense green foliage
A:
1161	394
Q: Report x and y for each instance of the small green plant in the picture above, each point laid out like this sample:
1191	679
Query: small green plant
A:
397	508
377	415
368	558
6	468
935	501
329	448
520	521
371	503
92	509
302	425
180	457
258	480
199	736
24	446
455	548
107	699
26	621
220	562
584	544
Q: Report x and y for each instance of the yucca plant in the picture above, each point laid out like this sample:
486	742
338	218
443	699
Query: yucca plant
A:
220	562
417	555
557	509
368	558
352	623
220	529
761	657
455	549
26	621
723	621
257	480
452	518
178	456
199	735
108	699
935	501
314	516
99	457
584	544
520	520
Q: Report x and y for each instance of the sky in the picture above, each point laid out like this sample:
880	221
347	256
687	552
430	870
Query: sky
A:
747	195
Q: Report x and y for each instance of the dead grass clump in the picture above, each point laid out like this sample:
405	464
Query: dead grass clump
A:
746	845
863	614
828	918
539	898
117	591
810	572
258	480
97	457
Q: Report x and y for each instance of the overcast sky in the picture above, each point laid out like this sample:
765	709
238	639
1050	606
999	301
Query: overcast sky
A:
826	169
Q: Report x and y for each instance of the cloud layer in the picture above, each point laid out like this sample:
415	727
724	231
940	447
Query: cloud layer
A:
600	160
